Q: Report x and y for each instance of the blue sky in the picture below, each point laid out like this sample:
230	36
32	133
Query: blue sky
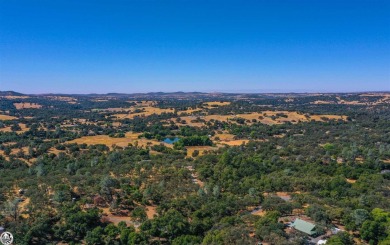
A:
228	46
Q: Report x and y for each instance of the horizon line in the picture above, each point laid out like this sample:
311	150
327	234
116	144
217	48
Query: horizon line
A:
208	92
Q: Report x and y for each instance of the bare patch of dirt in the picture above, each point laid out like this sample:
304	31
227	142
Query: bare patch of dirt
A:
23	207
115	219
151	211
260	212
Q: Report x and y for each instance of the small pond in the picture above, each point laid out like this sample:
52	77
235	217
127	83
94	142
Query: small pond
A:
171	140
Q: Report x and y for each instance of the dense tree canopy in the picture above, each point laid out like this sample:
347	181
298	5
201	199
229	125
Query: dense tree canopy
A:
140	190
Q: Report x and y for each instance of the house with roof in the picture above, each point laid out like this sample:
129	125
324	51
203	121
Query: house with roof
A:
304	226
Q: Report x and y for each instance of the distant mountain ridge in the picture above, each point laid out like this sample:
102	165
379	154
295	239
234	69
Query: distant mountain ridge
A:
181	93
10	93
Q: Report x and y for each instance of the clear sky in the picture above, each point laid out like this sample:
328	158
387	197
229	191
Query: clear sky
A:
95	46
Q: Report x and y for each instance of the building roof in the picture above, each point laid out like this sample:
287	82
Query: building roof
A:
304	226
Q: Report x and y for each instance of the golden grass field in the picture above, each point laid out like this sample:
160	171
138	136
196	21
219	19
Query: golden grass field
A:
139	105
330	117
235	142
148	111
130	138
3	154
263	117
190	111
384	100
188	120
228	139
6	117
150	108
26	105
16	150
201	149
22	126
224	136
55	151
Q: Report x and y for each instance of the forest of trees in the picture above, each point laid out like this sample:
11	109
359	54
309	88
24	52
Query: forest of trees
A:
335	172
